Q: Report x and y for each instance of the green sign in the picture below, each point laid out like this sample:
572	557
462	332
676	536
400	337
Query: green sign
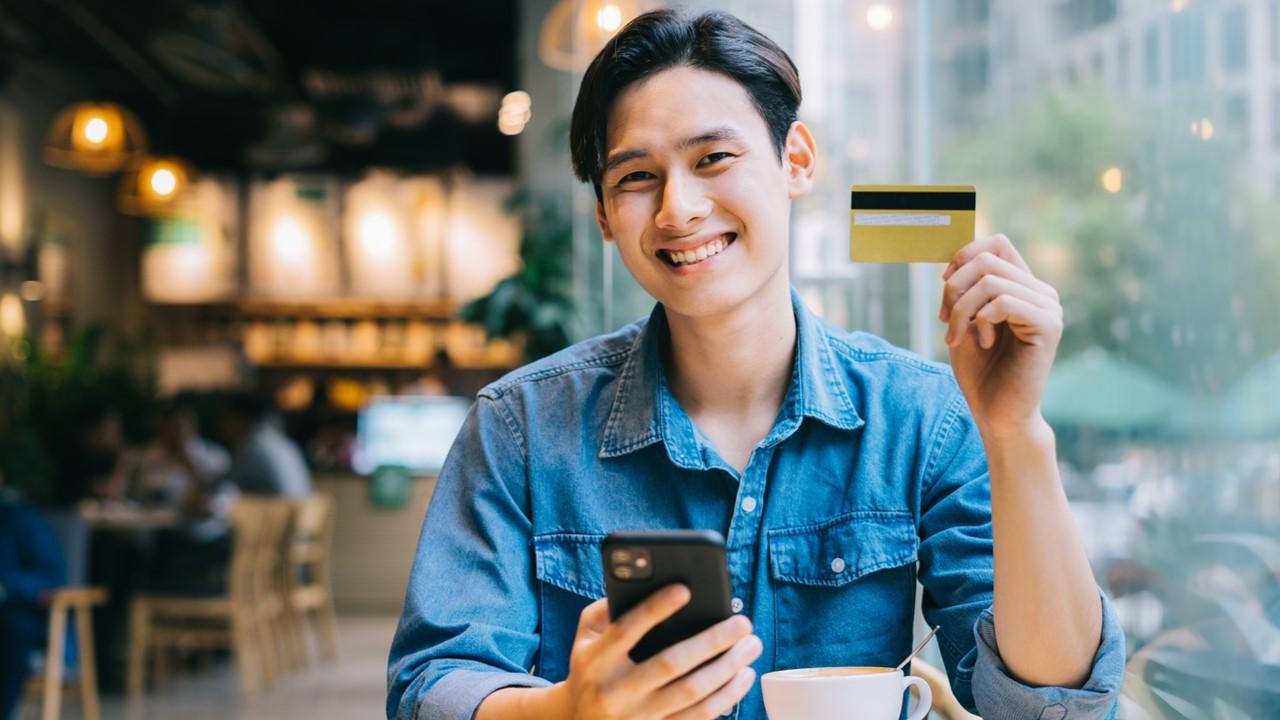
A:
389	487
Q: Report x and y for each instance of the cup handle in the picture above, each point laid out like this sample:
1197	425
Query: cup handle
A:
926	697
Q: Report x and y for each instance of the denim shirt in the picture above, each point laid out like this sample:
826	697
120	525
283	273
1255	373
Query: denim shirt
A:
872	478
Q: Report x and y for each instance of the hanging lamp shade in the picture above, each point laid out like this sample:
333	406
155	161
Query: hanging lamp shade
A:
574	30
94	137
154	185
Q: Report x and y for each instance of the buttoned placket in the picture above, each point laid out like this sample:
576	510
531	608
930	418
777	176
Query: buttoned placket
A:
744	532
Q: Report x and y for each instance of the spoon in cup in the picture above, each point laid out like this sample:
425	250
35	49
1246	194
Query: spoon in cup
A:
920	647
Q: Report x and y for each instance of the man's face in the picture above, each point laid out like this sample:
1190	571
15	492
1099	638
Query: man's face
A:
690	173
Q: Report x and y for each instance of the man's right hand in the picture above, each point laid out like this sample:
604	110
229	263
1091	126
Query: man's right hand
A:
696	679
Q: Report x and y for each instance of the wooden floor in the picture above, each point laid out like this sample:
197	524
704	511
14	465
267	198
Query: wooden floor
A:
353	687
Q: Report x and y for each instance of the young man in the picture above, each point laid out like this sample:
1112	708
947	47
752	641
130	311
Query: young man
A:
840	469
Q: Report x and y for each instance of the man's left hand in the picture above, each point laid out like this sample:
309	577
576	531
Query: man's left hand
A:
1004	325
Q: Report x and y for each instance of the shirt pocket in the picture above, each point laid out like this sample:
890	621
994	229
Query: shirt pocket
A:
570	577
844	590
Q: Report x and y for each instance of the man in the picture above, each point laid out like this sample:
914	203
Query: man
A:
185	472
265	460
840	469
31	565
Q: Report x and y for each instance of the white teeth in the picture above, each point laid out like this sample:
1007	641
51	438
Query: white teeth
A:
688	257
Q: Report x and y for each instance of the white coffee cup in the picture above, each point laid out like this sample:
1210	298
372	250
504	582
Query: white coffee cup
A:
841	693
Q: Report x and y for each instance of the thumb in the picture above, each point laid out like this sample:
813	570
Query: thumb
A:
593	620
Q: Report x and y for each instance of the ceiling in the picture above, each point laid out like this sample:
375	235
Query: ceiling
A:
277	85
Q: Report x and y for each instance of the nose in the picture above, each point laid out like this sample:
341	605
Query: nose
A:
684	204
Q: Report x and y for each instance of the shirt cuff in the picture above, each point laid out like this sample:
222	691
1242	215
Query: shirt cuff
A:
457	695
1000	697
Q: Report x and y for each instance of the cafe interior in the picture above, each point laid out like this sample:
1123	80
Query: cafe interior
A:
272	249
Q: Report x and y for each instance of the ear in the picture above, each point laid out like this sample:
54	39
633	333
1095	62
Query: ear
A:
605	231
799	159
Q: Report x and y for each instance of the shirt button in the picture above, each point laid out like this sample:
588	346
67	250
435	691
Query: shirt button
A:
736	605
748	504
837	565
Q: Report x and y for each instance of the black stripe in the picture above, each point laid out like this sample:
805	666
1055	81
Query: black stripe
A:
894	200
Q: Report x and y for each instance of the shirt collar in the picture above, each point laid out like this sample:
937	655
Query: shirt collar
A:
644	410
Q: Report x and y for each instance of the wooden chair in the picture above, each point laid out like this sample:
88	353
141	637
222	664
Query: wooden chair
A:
230	621
308	582
945	704
269	595
52	683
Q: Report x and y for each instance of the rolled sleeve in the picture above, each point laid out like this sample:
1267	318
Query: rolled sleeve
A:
459	692
1000	697
470	619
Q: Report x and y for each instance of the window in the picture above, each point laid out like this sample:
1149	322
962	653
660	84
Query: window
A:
970	69
971	13
1275	118
1186	46
1122	66
1236	112
1235	38
1151	57
1073	17
1275	31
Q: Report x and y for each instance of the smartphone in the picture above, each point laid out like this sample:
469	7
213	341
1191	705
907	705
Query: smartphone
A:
638	563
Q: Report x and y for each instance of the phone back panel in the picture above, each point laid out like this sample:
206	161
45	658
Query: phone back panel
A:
693	557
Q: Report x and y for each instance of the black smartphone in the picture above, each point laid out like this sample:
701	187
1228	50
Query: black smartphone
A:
638	563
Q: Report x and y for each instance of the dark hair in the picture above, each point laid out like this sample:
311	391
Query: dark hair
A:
658	40
248	405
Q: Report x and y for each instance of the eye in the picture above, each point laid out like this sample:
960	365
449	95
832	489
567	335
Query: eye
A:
637	176
714	157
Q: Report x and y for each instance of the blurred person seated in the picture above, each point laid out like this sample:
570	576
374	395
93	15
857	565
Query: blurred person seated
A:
182	471
96	464
31	565
265	461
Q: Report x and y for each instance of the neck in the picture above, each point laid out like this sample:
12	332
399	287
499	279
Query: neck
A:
737	363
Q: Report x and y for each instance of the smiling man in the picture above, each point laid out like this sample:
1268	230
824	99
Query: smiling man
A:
841	469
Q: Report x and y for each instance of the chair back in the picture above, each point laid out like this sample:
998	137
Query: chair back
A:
246	522
312	534
276	518
71	531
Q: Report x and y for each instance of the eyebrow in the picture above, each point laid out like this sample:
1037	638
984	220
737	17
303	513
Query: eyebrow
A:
717	134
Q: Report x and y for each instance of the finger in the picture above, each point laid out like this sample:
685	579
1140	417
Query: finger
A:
983	292
1028	322
695	687
593	620
673	662
987	264
998	245
722	700
623	635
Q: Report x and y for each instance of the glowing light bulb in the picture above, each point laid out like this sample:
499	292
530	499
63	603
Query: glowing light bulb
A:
609	17
95	131
1112	180
879	16
164	182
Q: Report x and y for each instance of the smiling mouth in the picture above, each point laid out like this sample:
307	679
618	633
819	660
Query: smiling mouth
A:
680	258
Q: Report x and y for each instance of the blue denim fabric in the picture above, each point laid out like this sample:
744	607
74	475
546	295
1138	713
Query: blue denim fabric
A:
873	477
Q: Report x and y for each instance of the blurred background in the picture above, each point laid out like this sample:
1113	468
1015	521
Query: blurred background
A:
256	256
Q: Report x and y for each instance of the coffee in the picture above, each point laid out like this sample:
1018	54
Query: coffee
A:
841	693
839	671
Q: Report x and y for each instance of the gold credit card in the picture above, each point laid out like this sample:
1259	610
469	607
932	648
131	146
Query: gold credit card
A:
910	223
